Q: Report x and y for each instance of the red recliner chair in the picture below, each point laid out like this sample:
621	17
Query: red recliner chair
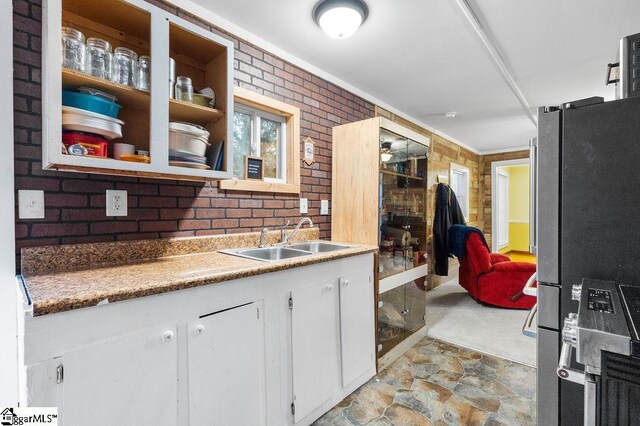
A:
492	278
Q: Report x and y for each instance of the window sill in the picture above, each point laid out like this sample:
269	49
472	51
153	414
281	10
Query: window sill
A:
259	186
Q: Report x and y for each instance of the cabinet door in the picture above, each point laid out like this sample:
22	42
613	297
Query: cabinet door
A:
226	368
357	327
315	340
131	378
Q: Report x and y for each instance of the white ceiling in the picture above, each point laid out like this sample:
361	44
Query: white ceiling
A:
422	57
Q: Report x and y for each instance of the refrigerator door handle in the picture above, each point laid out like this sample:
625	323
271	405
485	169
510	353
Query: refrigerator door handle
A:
533	195
528	329
528	288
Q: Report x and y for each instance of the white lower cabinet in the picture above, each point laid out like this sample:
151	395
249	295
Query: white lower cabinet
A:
107	382
315	341
276	349
356	316
226	367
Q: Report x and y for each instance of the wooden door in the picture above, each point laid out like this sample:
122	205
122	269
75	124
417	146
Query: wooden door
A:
130	379
315	341
357	327
227	368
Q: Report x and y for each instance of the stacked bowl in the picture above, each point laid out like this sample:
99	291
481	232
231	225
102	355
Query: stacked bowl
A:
188	145
89	119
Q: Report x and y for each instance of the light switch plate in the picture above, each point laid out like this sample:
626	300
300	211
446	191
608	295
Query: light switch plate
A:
304	205
30	204
116	203
324	207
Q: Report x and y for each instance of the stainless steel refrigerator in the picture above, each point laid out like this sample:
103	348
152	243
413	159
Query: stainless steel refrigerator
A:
588	203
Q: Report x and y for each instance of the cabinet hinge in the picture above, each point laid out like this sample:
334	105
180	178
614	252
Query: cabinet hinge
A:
293	408
290	302
59	374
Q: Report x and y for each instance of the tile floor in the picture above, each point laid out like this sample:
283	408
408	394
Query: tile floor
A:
436	383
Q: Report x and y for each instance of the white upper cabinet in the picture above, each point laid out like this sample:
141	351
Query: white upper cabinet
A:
204	57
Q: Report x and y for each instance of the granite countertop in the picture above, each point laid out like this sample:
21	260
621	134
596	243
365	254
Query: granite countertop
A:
59	291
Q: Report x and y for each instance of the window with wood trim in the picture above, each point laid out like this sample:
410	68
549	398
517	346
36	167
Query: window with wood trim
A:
258	133
270	129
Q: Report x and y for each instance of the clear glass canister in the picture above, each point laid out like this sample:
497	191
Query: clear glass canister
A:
124	66
184	89
143	74
73	49
99	58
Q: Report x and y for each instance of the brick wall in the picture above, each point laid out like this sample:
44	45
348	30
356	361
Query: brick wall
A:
442	153
75	203
485	187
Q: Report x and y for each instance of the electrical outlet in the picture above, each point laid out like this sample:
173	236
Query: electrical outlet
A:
304	205
30	204
116	203
324	207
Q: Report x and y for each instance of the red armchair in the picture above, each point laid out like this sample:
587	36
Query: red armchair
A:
492	278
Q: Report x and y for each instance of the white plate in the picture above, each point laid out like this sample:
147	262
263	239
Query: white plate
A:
90	122
189	165
83	112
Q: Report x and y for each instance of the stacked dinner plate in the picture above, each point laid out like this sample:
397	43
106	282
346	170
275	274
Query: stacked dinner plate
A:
187	159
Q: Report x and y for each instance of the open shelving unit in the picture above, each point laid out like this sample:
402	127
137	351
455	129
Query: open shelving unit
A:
148	30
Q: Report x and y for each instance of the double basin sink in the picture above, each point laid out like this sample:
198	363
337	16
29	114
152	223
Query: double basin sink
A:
275	253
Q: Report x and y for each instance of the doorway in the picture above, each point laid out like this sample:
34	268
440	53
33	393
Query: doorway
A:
510	208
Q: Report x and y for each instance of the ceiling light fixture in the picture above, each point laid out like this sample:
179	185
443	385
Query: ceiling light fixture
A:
451	114
340	18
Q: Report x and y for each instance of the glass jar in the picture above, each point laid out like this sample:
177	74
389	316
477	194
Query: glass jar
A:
73	49
98	58
184	89
143	74
124	66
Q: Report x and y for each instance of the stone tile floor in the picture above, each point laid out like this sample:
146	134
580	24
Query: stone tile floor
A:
436	383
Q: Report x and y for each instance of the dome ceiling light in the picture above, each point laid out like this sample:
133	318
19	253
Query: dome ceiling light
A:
340	18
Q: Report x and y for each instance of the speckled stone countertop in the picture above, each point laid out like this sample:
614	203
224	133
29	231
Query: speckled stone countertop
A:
55	289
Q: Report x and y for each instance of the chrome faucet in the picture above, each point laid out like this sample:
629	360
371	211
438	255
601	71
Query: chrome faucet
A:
283	233
263	237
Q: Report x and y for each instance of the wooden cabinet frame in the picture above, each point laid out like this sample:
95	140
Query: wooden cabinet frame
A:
292	116
160	107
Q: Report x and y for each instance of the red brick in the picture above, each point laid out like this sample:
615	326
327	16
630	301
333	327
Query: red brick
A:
224	223
58	229
210	213
113	227
238	213
158	226
167	214
194	224
249	223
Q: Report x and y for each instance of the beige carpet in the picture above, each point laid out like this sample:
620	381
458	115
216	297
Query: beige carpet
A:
453	316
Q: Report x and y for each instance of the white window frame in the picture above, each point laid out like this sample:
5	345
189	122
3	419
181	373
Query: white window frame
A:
462	170
503	242
256	115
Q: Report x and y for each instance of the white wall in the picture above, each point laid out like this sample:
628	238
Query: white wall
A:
8	342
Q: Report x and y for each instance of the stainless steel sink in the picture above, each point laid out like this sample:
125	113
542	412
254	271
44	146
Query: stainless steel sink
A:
275	253
267	254
318	247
